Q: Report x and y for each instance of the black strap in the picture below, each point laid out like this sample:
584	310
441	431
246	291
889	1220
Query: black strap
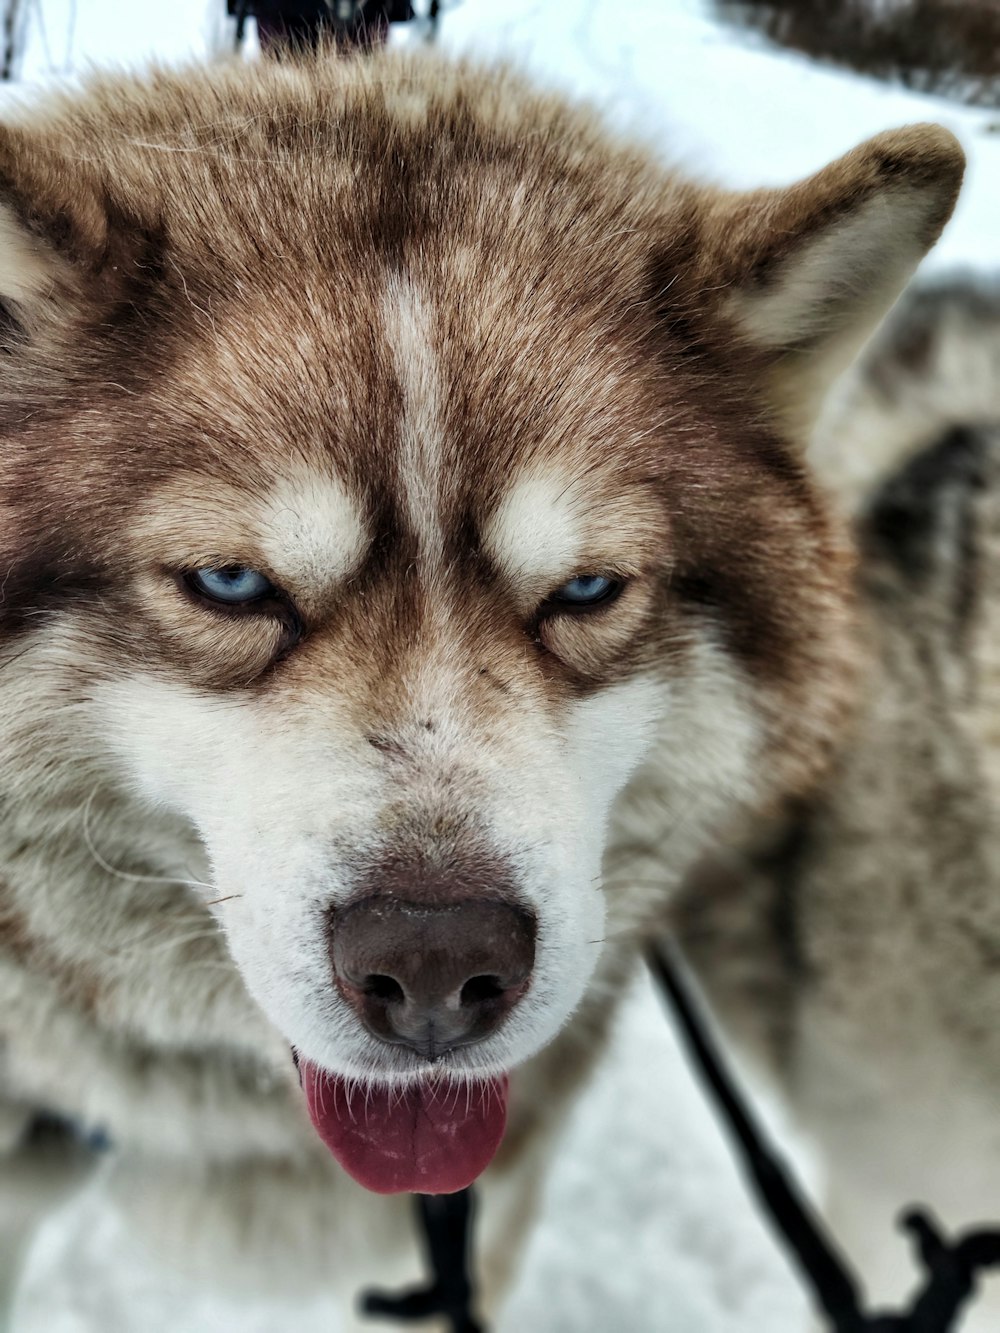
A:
446	1226
952	1269
305	24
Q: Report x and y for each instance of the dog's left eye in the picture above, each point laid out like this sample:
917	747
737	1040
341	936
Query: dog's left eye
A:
586	590
234	585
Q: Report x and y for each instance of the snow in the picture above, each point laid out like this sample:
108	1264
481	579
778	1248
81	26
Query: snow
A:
726	106
646	1225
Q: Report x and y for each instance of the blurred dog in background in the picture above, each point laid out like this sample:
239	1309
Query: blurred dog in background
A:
853	944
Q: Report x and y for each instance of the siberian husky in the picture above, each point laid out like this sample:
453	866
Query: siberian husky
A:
408	564
853	942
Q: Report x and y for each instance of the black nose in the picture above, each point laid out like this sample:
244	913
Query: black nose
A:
432	976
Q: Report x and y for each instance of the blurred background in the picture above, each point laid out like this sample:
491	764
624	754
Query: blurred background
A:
646	1226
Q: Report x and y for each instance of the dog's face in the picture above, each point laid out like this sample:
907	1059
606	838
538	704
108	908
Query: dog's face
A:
401	468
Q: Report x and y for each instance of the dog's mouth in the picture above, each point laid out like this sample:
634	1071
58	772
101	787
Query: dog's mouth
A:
434	1136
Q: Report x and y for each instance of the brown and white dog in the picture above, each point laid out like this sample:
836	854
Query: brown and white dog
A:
407	564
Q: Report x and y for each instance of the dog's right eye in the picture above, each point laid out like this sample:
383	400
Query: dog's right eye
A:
233	585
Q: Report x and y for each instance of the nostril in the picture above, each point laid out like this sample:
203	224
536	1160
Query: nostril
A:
433	975
477	990
382	988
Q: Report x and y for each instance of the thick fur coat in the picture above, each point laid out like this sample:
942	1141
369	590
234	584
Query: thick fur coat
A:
421	349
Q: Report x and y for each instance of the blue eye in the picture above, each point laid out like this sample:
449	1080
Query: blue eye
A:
587	590
234	585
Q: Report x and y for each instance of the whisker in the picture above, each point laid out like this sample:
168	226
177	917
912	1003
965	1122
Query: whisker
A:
125	874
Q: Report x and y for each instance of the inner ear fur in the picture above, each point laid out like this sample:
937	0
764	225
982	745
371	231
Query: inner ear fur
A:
56	235
31	275
806	273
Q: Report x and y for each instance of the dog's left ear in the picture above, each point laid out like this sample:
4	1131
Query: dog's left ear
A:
806	273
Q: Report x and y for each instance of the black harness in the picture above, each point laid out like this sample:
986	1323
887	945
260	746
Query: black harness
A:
951	1267
349	24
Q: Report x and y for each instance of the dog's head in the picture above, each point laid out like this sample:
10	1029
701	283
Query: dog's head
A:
398	467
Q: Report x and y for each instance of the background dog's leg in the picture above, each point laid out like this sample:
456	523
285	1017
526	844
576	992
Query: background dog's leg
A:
510	1190
508	1204
40	1164
277	1231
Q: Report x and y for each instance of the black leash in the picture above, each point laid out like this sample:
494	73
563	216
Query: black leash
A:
951	1268
446	1224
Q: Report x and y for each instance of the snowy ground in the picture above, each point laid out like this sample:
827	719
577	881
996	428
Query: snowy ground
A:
646	1229
646	1226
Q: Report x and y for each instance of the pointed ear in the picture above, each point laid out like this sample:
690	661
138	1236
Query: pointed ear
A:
806	273
55	231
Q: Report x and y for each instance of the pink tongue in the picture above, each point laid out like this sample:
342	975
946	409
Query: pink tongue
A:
428	1138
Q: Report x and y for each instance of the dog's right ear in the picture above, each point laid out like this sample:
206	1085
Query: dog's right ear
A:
54	230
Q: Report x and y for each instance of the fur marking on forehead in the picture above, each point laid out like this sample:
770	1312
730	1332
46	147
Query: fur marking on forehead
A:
534	535
315	533
566	517
409	328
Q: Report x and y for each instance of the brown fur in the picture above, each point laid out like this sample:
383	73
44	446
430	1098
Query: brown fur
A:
159	343
222	284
